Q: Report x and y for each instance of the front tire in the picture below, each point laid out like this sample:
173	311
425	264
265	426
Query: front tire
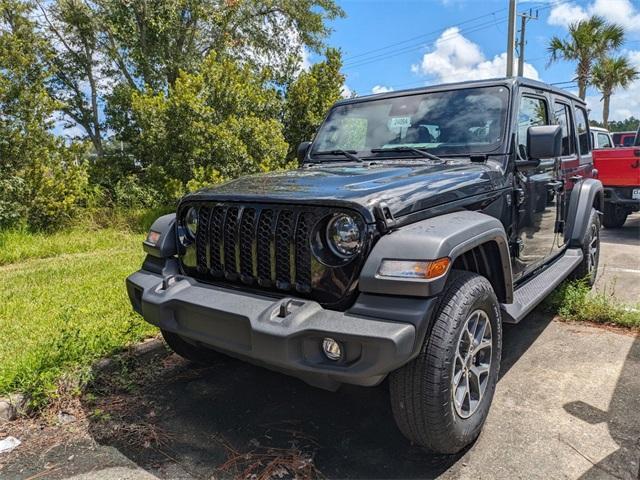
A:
190	351
441	399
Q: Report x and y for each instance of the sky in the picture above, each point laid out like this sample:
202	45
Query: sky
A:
398	44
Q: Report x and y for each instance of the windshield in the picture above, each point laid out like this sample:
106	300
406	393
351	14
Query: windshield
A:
467	121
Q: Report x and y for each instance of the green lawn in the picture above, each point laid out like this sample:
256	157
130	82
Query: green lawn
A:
63	304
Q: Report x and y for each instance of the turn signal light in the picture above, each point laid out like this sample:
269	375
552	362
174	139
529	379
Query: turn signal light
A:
418	269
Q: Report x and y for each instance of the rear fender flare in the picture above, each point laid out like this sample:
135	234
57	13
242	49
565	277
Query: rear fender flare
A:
584	196
448	235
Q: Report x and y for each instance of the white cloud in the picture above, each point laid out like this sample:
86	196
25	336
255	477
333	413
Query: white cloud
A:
305	60
624	103
346	91
381	89
456	58
622	12
565	14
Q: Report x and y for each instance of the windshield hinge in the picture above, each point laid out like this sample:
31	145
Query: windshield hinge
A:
384	217
479	158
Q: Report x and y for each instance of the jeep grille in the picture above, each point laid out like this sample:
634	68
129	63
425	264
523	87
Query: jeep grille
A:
267	247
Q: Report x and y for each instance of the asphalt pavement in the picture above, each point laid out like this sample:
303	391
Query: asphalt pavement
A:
619	272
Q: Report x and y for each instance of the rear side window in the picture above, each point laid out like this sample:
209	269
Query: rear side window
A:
582	123
604	141
533	113
628	141
563	118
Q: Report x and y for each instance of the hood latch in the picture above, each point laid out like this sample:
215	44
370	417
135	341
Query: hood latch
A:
384	217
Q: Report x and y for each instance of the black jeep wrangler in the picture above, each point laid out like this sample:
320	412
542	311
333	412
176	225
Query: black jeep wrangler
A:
418	222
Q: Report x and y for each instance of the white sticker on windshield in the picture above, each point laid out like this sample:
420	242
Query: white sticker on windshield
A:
397	123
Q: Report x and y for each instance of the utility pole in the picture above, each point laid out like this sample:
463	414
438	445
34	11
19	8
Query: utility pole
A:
511	40
524	18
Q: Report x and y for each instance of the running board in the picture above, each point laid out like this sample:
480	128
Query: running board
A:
529	295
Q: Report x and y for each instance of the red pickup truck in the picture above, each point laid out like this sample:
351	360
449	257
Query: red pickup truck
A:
619	172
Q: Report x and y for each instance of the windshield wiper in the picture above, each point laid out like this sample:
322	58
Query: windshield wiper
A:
418	151
350	154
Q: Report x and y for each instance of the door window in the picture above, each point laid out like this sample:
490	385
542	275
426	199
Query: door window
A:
604	141
533	113
563	118
582	125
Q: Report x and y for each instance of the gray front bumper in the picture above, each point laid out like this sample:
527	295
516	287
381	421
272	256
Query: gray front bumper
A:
248	326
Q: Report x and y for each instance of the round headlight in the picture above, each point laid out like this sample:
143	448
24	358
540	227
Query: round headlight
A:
344	235
191	221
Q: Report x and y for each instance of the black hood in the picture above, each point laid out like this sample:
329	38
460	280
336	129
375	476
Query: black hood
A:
404	187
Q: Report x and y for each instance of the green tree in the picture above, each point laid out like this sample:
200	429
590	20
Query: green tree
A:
42	183
609	74
218	123
588	41
76	64
152	41
309	97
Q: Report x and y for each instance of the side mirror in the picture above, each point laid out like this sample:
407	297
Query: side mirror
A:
544	141
303	148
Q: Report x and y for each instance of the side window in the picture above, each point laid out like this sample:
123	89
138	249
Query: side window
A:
533	112
563	118
604	141
582	123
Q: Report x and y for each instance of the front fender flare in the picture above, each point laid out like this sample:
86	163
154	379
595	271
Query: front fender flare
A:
447	235
166	245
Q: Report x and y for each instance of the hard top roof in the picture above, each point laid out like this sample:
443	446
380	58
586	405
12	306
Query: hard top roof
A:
507	81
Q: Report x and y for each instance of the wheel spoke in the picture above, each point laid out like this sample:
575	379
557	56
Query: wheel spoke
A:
482	345
479	370
477	341
461	393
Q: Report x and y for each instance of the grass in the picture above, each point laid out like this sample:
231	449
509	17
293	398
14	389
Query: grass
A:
574	301
63	305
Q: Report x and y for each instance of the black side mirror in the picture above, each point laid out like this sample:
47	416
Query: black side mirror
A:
303	148
544	141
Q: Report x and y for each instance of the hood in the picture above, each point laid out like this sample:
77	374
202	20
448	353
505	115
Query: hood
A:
405	188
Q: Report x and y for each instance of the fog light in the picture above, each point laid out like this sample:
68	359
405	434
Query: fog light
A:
331	349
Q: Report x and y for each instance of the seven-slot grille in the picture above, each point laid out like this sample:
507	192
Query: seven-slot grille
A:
264	245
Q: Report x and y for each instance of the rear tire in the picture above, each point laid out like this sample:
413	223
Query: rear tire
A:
588	268
190	351
614	216
456	357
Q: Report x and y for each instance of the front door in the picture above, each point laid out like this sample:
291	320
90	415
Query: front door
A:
538	192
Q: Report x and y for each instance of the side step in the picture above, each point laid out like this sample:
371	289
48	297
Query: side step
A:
527	296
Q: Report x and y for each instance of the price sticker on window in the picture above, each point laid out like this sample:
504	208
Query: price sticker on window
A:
398	123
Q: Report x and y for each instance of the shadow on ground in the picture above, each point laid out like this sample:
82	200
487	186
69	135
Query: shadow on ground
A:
174	419
623	424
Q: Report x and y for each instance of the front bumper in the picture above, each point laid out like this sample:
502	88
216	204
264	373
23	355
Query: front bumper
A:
253	327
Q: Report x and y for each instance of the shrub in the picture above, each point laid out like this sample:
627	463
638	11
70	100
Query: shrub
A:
574	301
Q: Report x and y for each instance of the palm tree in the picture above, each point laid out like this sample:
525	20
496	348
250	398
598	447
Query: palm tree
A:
588	41
611	73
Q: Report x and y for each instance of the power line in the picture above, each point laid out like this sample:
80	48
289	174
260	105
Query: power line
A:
369	58
408	49
366	53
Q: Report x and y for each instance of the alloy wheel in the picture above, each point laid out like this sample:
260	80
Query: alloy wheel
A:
472	365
